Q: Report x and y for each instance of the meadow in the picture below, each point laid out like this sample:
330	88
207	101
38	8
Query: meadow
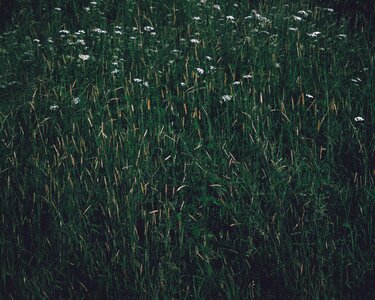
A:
186	149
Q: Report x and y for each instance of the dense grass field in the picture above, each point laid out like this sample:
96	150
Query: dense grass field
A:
184	149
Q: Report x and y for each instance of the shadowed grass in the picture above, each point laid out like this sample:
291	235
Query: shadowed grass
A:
179	149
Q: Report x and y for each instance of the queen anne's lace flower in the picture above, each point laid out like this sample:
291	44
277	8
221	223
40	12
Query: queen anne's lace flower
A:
84	56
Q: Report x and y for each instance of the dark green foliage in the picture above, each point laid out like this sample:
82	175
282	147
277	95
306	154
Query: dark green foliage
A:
126	173
359	13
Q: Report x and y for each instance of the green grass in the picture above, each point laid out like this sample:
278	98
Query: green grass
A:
113	187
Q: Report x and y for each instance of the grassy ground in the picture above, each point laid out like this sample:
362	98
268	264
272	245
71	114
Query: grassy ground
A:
179	149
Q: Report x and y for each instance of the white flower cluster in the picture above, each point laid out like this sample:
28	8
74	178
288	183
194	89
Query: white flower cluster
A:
84	56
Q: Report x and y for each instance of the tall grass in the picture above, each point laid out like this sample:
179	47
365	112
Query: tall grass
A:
186	149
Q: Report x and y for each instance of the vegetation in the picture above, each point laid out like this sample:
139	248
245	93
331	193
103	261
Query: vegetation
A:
182	149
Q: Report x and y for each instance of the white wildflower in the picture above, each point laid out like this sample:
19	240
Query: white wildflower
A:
314	34
36	40
81	42
341	36
195	41
259	17
236	82
230	18
64	31
209	58
196	18
359	119
115	71
148	28
226	98
137	80
146	84
303	13
98	30
216	6
93	3
296	18
76	100
292	28
54	107
118	32
84	56
57	8
309	96
86	8
356	80
200	70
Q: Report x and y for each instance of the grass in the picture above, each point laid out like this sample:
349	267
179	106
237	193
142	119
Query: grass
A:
127	172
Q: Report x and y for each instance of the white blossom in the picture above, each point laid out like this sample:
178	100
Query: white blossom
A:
226	98
98	30
84	56
303	13
314	34
148	28
76	100
200	70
